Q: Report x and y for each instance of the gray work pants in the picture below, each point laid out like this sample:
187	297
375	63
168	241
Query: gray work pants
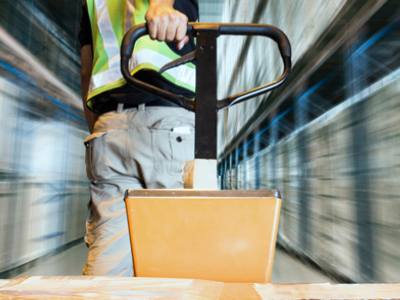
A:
131	149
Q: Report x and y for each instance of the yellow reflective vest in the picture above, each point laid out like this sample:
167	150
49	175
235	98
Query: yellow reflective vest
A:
110	20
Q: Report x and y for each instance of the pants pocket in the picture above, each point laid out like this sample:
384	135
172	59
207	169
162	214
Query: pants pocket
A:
182	150
170	150
89	160
89	141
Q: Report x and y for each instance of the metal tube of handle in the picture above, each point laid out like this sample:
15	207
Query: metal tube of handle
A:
235	99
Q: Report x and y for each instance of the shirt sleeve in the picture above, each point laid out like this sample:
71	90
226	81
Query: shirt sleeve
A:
85	30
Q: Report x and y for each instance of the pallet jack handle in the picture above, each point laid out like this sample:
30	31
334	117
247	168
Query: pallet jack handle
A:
205	103
215	29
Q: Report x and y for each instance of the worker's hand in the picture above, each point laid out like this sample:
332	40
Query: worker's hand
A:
166	24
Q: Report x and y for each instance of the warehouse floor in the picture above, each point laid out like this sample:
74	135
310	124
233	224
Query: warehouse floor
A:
71	262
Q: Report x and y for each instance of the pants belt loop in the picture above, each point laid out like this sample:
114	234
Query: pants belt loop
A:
141	107
120	107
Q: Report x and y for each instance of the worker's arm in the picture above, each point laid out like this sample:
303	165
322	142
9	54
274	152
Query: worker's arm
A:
165	23
86	72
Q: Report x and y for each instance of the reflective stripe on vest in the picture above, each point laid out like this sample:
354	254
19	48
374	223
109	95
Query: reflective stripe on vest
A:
107	33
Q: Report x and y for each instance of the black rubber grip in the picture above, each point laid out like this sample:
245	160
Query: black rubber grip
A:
272	32
127	47
130	39
260	29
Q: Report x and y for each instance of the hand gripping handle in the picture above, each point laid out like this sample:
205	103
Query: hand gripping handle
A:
193	28
128	44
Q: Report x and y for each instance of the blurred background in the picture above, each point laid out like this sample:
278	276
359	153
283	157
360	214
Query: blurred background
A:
329	139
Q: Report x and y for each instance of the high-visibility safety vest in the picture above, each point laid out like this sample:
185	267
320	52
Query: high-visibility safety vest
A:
110	20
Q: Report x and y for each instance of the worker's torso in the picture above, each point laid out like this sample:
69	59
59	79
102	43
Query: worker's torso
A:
110	20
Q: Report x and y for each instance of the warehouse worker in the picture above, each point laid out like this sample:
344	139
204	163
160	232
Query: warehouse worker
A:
137	141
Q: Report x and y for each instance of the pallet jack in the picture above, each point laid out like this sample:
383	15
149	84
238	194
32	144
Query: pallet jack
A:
219	235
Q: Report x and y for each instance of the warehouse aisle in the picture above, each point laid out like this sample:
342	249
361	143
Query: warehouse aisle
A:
71	262
290	270
67	263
